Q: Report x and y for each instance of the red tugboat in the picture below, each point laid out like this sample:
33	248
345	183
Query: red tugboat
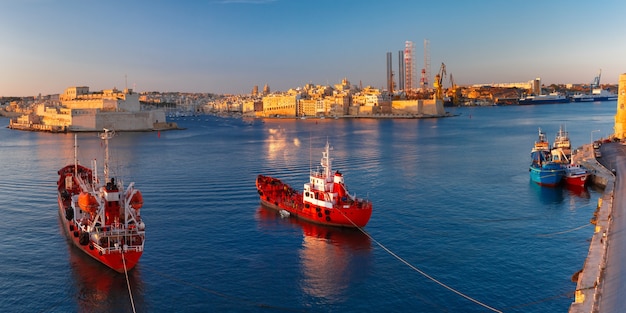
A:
325	199
102	220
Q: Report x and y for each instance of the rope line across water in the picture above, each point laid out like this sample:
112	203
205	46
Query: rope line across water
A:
420	271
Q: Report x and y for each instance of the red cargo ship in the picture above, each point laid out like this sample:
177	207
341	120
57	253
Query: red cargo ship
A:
102	220
325	199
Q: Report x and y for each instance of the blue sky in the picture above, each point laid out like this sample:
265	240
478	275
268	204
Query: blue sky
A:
228	46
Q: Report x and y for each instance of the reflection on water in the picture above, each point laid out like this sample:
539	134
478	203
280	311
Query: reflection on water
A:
579	191
548	195
276	143
331	258
100	289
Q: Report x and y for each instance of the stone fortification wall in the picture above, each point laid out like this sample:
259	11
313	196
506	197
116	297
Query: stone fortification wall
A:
83	120
420	107
129	121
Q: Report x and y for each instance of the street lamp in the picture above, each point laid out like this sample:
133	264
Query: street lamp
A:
591	136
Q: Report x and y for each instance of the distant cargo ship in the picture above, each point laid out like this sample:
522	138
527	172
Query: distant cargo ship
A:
598	94
553	97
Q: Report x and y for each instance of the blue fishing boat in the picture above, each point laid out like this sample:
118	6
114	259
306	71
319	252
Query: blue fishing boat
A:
545	172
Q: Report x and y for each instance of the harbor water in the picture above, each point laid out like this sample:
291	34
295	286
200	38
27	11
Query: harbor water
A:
457	224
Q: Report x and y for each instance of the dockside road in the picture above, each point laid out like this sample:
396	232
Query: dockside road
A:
603	277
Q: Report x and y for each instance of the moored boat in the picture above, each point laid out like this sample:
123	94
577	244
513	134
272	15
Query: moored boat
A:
544	99
561	141
543	170
325	199
542	144
575	175
102	220
597	94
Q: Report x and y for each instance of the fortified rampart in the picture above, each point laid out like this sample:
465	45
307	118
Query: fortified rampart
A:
85	111
418	107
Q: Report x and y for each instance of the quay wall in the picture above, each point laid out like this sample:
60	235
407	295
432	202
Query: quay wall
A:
587	290
92	121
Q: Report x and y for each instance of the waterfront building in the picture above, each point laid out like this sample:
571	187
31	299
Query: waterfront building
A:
311	107
529	85
279	105
345	86
251	105
82	110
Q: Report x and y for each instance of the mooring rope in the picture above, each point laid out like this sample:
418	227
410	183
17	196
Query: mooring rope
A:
130	293
418	270
565	231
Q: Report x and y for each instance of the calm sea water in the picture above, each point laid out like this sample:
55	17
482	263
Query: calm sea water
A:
453	203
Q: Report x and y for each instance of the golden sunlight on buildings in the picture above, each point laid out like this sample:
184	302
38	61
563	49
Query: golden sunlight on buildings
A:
620	116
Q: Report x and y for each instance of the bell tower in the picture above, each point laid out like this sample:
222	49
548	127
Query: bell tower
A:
620	116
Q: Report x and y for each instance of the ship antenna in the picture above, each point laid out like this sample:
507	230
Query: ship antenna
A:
75	156
106	136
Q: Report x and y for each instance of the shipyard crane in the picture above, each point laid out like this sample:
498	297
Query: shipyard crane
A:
596	80
452	84
455	92
438	83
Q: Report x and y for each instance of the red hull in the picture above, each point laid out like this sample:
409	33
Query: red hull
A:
576	180
275	194
575	175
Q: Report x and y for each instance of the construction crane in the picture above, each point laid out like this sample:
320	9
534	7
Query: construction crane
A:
438	83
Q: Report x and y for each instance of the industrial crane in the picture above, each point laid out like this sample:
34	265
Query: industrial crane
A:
596	80
455	92
438	83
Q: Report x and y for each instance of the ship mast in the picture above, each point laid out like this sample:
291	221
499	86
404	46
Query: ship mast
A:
75	156
326	161
106	136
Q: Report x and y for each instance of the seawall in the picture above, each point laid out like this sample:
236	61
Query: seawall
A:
588	285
